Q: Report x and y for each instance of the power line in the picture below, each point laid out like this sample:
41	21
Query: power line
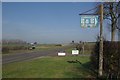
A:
89	11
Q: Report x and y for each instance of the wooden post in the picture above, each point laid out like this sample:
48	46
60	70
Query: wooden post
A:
83	47
101	42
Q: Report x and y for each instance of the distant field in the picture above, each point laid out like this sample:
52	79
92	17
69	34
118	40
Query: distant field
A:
19	48
23	48
50	67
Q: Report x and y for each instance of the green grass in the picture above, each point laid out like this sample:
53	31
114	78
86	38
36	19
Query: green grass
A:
49	67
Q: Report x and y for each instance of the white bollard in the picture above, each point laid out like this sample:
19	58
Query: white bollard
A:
61	54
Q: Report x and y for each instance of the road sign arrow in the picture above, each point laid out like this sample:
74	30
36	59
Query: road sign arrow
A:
96	21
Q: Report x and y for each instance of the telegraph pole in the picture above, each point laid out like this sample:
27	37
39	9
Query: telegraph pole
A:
101	42
100	71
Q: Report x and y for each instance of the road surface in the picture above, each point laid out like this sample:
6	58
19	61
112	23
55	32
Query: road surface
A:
27	56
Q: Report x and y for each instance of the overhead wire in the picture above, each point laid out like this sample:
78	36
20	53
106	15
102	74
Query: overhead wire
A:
89	10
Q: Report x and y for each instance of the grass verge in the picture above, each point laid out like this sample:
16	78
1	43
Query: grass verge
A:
49	67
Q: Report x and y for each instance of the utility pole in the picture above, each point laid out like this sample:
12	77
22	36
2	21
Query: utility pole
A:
100	71
101	42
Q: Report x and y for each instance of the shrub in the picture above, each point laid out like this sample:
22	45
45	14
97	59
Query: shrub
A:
19	48
111	58
87	46
95	56
5	50
58	45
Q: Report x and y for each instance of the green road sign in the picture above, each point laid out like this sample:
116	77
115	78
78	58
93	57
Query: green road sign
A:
90	21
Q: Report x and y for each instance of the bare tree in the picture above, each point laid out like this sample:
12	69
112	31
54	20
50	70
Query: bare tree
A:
111	13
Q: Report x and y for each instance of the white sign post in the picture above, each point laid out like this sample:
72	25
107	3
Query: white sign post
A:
75	52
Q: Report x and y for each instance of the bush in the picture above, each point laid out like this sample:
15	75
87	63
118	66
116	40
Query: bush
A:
5	50
111	58
58	45
19	48
88	47
95	56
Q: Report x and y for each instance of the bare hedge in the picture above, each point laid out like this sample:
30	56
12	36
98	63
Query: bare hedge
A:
111	57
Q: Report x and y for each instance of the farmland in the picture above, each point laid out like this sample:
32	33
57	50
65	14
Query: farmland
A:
19	48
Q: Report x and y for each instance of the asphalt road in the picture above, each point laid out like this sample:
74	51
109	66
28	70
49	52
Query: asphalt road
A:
27	56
